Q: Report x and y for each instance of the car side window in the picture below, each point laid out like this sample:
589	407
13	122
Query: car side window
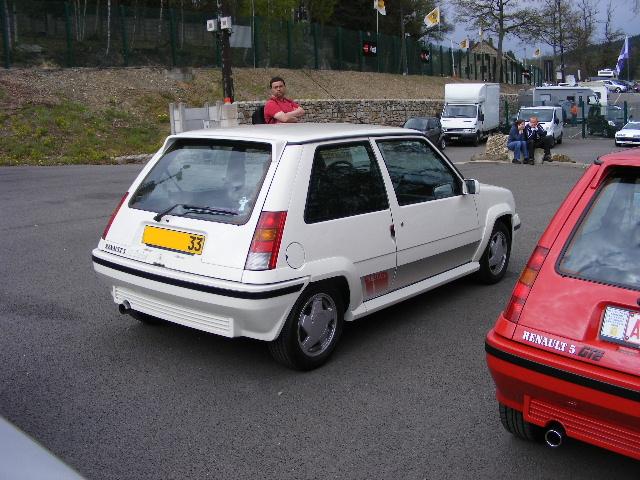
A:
345	181
417	172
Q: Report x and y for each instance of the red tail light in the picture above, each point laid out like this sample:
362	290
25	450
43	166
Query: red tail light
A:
113	215
525	282
263	253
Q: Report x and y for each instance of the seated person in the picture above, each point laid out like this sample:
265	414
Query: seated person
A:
537	138
518	142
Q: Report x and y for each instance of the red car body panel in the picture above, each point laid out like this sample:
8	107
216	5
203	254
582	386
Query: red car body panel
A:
552	364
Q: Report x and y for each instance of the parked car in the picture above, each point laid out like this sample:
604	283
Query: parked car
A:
614	86
565	352
549	117
282	232
607	124
629	135
431	127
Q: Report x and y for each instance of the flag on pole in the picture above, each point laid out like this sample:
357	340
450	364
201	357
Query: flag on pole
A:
624	55
537	52
379	6
433	18
464	44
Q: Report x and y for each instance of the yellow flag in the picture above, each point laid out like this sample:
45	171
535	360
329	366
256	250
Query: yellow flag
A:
433	18
379	6
464	44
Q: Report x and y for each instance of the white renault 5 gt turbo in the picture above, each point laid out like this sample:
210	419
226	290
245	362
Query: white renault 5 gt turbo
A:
283	232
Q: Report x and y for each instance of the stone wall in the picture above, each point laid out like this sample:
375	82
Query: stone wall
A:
382	112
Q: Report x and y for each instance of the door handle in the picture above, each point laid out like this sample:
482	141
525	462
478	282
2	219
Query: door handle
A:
392	230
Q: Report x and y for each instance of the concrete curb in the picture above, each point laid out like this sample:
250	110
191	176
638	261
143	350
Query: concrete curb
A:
127	159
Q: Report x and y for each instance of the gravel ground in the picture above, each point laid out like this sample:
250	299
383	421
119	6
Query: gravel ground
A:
104	88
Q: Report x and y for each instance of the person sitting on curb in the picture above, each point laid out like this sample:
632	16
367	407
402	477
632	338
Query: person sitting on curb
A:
280	109
537	138
518	142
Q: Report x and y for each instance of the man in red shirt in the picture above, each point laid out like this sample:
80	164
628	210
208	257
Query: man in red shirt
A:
280	109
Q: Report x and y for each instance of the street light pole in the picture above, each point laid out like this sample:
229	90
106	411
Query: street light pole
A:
225	33
559	7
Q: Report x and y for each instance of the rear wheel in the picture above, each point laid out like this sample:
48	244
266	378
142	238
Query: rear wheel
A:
495	259
514	423
312	329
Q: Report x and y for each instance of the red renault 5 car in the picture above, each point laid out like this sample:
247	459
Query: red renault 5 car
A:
565	353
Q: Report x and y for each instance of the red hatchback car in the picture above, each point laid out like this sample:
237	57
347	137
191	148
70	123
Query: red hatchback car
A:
565	353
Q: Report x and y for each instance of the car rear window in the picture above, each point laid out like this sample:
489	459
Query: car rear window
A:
605	246
221	178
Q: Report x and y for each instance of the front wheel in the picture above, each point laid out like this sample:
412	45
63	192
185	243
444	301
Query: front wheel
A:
311	330
443	143
476	140
495	259
559	140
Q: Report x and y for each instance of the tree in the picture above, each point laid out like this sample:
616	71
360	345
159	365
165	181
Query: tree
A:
500	17
581	32
610	35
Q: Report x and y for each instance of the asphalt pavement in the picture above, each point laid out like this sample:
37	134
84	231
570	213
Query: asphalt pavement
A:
406	396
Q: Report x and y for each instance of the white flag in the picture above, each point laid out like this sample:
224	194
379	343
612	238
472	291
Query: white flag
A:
379	6
432	18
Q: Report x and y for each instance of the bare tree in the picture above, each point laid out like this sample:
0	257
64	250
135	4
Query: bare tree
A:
500	17
581	32
108	26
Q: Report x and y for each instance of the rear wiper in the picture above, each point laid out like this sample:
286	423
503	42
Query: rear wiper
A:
195	209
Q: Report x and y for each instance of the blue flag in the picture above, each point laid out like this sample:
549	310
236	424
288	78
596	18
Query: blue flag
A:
624	55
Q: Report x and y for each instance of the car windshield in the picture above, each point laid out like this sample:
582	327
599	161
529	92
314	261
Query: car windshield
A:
632	126
543	114
615	113
206	179
605	247
416	123
459	111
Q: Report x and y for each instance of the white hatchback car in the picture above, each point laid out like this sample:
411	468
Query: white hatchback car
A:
282	232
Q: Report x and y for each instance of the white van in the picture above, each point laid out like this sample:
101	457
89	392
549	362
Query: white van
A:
549	117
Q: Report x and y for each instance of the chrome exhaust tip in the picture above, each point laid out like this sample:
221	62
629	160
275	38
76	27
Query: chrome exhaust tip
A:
124	308
554	436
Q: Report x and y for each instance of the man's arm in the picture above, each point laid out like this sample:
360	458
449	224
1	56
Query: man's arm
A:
290	117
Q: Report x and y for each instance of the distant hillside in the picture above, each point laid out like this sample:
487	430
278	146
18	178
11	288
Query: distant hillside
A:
605	56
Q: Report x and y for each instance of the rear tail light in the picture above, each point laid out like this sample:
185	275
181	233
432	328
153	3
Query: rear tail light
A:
265	245
113	215
525	282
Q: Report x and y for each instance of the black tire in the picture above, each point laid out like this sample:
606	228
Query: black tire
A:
289	349
514	423
559	141
476	141
618	144
145	318
495	259
443	143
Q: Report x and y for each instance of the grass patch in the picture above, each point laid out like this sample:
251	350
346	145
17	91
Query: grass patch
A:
71	134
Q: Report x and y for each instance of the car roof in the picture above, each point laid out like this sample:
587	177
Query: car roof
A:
540	107
629	157
296	132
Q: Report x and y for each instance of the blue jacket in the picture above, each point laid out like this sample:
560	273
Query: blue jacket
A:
515	136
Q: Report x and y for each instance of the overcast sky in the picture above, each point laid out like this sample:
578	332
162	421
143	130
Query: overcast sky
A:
623	19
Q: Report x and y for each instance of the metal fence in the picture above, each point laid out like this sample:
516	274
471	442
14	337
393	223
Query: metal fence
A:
64	34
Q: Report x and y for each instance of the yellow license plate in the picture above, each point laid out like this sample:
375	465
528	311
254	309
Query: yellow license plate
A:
184	242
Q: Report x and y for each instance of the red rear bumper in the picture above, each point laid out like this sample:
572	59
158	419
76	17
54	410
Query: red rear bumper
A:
548	388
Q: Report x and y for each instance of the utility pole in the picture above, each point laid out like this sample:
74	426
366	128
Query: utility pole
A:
559	7
224	32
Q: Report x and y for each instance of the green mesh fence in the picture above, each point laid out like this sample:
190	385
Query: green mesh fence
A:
59	33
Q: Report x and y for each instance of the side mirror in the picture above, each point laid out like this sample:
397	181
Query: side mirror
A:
557	121
471	186
481	117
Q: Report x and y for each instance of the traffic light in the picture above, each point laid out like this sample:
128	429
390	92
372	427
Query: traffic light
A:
425	56
369	49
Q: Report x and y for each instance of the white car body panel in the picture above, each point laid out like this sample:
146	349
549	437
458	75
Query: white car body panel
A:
383	256
629	135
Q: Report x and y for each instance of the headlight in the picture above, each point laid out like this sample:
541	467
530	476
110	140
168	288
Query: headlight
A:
611	122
